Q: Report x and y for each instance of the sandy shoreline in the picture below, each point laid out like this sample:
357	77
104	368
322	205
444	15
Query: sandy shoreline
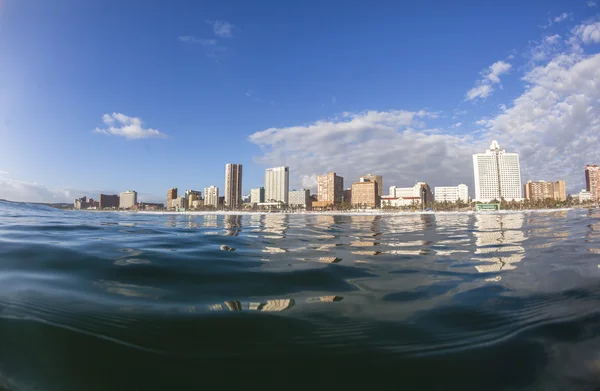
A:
355	213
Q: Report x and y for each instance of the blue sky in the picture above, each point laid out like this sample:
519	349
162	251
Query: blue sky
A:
113	95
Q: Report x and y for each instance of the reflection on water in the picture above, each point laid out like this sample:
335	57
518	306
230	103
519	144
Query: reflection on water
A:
268	306
348	298
498	241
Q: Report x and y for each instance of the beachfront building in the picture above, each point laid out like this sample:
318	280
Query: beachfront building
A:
374	178
397	202
592	180
257	195
347	196
194	199
497	175
420	192
365	194
180	203
560	190
451	193
300	199
233	185
277	184
539	190
582	196
107	201
127	199
171	195
211	196
330	188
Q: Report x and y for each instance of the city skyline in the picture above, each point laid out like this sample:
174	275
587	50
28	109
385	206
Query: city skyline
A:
517	73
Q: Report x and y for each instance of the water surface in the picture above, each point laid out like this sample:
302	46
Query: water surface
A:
132	301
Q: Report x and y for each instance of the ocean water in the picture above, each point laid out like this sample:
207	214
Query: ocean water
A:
133	301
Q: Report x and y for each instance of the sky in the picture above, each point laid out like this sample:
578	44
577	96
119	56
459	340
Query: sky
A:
106	96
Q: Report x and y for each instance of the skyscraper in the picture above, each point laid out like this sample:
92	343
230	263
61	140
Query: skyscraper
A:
497	175
127	199
560	190
375	178
277	183
211	196
330	188
592	180
233	185
171	195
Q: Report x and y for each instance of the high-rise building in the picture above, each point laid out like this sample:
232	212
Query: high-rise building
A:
497	175
193	198
128	199
330	188
540	190
452	193
257	195
560	190
211	196
365	194
171	195
108	201
80	203
300	198
374	178
233	185
592	180
277	184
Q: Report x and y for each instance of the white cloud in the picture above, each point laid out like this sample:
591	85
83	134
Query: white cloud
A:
545	49
555	123
13	190
491	76
497	69
21	191
561	17
480	92
221	28
552	38
309	182
210	46
128	127
2	172
591	3
382	142
457	125
588	33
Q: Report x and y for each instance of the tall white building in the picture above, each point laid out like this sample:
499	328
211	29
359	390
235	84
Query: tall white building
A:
452	193
127	199
277	184
211	196
257	195
233	185
497	175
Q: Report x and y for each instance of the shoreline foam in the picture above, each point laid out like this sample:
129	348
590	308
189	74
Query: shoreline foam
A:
352	213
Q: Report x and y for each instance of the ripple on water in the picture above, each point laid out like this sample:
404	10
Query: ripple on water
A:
468	298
